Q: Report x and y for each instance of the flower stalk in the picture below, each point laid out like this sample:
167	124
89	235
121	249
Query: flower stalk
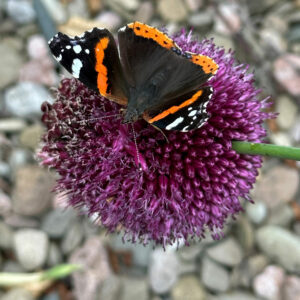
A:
57	272
284	152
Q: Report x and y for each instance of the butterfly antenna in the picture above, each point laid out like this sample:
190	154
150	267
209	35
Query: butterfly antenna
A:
136	147
69	122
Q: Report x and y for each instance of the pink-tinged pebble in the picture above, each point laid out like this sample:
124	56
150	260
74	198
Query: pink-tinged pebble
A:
268	284
286	72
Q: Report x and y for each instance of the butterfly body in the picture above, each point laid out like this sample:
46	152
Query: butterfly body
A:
148	73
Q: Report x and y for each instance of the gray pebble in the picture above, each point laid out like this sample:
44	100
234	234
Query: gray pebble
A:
280	245
72	238
6	236
54	255
17	294
32	193
227	252
282	215
134	289
21	11
188	288
25	99
57	222
31	248
257	212
163	270
214	276
111	288
11	62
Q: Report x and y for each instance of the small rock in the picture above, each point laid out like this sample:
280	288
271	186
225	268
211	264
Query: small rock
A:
129	5
18	221
39	71
54	255
256	264
276	243
236	295
194	5
269	283
31	248
282	215
280	138
232	250
163	270
11	62
12	125
245	233
188	288
291	289
17	294
6	236
214	276
25	99
5	204
93	258
144	12
230	22
285	71
72	238
32	193
111	20
201	20
56	10
140	254
37	47
11	266
134	289
190	253
288	112
172	10
279	185
19	158
111	288
5	170
57	222
21	11
273	40
31	136
52	296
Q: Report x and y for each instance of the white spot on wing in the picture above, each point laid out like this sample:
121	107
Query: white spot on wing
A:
175	123
123	28
77	49
192	113
87	51
76	67
68	47
58	58
190	108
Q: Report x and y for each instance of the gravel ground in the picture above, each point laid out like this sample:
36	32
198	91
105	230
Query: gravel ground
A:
259	258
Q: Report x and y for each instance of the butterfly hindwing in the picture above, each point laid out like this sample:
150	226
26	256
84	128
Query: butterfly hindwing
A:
183	113
92	58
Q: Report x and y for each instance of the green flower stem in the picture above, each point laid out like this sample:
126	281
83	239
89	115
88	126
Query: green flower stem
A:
14	279
284	152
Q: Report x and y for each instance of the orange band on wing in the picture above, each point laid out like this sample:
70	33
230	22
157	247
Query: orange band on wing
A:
208	64
100	67
149	32
175	108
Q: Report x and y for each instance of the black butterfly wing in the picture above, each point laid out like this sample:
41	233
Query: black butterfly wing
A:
153	65
93	58
187	112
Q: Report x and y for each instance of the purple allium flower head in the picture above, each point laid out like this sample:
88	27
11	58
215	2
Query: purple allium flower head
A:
191	182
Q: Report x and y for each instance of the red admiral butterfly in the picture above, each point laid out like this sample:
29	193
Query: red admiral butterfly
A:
149	74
